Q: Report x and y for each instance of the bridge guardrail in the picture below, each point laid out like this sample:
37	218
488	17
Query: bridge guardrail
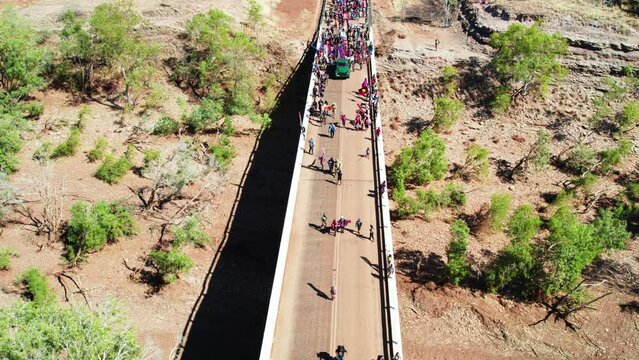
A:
276	291
392	303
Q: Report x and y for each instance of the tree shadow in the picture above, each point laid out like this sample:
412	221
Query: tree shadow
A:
230	314
421	269
417	124
614	273
630	307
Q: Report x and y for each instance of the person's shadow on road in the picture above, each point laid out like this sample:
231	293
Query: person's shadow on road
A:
324	356
319	292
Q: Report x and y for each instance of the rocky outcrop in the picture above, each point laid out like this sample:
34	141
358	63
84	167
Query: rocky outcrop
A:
469	17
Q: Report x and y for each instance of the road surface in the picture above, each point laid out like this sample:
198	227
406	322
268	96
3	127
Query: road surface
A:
308	322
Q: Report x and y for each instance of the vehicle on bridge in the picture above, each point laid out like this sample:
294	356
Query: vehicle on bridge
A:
343	68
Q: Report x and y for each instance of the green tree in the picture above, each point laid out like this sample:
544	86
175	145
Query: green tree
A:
447	112
499	207
421	163
450	77
458	268
53	332
523	225
78	52
569	249
255	17
527	58
22	61
580	159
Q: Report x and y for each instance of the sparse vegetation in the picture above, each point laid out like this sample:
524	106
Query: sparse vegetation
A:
5	258
223	151
580	159
190	232
453	196
165	126
476	164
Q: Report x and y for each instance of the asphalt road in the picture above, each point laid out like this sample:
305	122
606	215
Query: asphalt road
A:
308	322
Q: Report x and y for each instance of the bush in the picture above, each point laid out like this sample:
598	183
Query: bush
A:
151	156
5	258
227	128
43	153
476	164
450	75
99	150
501	101
458	268
223	151
36	287
112	170
165	126
170	264
523	225
32	109
421	163
10	145
499	208
7	194
190	232
447	112
540	154
91	229
452	196
202	116
613	157
69	147
632	191
580	160
55	332
629	116
514	267
610	231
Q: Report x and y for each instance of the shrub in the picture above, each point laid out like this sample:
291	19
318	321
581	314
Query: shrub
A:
112	170
421	163
202	116
170	264
83	115
151	156
499	207
632	191
613	157
580	159
10	144
190	232
223	151
55	332
540	154
69	147
227	128
32	109
5	258
43	153
452	196
501	101
629	116
523	225
514	267
165	126
99	150
91	229
458	268
447	112
7	194
36	287
476	163
610	231
450	75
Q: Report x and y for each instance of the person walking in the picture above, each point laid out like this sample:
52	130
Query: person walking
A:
321	159
331	164
382	187
378	131
391	270
311	145
333	293
324	218
358	224
339	177
334	227
368	152
370	233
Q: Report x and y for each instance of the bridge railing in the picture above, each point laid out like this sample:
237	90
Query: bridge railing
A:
393	339
280	267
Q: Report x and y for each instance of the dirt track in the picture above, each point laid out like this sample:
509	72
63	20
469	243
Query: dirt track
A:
309	322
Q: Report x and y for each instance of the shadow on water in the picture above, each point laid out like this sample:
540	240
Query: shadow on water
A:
229	320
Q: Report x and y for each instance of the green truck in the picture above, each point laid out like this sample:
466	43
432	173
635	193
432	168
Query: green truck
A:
343	68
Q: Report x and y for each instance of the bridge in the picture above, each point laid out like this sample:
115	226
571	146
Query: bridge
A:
304	319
